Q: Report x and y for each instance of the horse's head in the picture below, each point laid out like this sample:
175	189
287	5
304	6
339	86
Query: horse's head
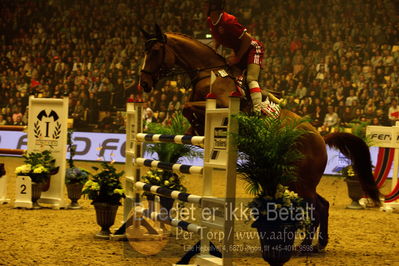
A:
158	58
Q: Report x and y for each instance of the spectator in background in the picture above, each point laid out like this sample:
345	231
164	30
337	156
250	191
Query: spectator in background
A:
382	118
92	109
351	98
104	99
318	116
107	123
162	104
301	90
119	99
17	115
393	112
9	120
120	121
18	121
148	118
174	104
78	114
161	117
2	120
331	118
347	116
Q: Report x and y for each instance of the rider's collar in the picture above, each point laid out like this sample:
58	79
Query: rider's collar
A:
220	17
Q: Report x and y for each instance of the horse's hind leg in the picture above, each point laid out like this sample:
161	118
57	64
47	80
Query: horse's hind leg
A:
324	206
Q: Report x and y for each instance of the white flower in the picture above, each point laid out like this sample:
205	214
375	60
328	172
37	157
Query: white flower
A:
95	186
88	184
39	169
119	191
287	202
23	169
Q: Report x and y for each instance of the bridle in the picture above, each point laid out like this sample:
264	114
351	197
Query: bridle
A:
164	71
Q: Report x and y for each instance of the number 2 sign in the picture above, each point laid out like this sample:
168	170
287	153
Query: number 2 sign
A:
24	191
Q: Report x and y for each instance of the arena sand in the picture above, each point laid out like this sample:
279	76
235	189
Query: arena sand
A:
65	237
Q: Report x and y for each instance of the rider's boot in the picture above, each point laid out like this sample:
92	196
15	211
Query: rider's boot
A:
256	97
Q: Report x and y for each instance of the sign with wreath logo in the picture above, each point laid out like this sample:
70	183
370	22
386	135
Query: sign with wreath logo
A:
47	130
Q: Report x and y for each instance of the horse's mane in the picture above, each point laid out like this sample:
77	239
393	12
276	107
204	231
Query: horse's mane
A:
184	36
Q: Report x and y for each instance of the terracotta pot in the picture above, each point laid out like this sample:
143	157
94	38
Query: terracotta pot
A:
74	194
36	194
105	214
277	241
355	192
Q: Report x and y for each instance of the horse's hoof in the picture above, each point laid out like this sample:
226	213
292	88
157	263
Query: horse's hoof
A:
319	249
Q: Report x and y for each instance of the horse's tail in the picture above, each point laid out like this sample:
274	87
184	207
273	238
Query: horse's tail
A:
355	149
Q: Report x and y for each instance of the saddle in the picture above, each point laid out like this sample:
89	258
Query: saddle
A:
239	78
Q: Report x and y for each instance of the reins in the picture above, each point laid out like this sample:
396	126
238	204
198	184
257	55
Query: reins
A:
164	72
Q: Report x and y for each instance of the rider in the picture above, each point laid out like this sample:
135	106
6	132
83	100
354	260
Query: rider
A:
248	52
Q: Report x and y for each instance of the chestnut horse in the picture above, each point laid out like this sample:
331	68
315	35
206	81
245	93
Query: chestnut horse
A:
165	51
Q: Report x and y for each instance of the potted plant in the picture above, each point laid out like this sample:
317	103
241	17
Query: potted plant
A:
39	166
268	156
169	153
105	190
75	177
165	179
355	191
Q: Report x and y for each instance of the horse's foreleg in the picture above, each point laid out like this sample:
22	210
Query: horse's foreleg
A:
195	114
306	245
319	218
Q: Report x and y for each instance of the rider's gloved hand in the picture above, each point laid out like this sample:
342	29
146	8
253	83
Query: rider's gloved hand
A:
233	60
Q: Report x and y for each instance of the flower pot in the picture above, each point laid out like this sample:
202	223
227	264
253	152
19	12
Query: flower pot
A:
36	193
166	206
355	192
46	185
105	215
166	203
2	170
42	178
277	240
74	194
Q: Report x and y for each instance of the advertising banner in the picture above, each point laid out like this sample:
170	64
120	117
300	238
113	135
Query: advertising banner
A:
113	148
